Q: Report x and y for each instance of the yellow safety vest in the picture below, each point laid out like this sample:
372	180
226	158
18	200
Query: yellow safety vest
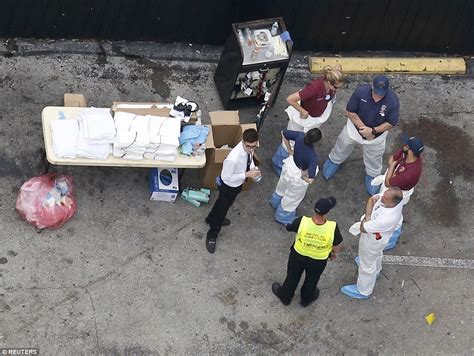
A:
313	240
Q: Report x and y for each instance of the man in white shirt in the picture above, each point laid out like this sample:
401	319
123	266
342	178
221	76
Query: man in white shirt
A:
383	214
236	169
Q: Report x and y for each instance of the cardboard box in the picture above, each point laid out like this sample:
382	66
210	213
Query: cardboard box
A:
147	108
226	129
164	184
142	108
74	100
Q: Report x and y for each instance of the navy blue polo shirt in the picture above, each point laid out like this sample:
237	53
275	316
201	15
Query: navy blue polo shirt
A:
304	155
374	113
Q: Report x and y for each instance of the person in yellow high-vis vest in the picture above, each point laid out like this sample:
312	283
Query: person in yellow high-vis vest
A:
317	239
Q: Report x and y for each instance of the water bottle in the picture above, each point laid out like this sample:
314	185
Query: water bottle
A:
274	29
248	35
254	54
241	37
259	177
198	117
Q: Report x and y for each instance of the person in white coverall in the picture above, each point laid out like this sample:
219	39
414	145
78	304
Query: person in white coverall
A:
299	171
372	111
383	214
404	171
310	107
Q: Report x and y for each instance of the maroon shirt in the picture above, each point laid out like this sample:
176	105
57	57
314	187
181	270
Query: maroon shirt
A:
314	98
406	175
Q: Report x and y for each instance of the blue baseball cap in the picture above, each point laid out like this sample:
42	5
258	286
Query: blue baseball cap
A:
380	85
324	205
414	143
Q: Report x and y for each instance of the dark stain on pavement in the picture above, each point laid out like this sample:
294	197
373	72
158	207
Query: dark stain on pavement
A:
160	74
4	307
227	297
159	78
259	335
3	260
452	145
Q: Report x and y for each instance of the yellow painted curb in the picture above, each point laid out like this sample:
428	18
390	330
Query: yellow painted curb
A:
391	65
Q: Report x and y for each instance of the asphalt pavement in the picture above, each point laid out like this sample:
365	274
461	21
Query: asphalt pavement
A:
130	276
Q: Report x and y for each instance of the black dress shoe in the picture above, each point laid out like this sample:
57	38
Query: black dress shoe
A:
211	238
225	222
304	303
275	288
211	245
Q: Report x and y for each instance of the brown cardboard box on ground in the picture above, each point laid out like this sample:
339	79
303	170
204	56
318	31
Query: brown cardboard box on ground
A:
225	130
74	100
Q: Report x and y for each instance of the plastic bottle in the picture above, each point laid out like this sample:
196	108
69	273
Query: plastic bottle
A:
259	177
254	54
198	117
248	35
241	37
274	29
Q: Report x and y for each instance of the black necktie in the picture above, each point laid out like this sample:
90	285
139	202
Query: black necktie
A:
249	160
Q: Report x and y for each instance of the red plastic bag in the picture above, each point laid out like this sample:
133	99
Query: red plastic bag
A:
47	200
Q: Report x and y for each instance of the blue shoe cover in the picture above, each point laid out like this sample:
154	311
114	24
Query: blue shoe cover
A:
357	262
371	189
352	291
275	200
394	239
284	217
277	159
329	169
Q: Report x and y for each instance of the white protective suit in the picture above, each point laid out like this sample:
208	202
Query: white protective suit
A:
296	123
291	187
383	222
373	150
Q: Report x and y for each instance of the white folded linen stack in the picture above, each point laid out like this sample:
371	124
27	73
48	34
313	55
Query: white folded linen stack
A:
132	139
97	124
164	138
96	133
65	134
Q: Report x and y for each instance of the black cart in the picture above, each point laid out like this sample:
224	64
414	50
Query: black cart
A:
252	65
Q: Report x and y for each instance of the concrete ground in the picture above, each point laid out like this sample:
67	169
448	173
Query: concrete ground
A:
129	276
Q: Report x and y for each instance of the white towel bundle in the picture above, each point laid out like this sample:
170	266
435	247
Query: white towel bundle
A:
96	133
97	125
91	150
164	138
151	137
65	134
132	137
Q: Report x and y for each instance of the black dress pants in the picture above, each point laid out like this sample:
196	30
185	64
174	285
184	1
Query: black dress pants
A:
219	211
296	265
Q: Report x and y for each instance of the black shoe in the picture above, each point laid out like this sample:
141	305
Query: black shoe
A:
275	288
211	245
225	222
304	303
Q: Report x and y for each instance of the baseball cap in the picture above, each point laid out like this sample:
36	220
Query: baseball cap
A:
324	205
380	85
414	143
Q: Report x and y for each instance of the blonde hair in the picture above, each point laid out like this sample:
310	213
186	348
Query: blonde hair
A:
333	74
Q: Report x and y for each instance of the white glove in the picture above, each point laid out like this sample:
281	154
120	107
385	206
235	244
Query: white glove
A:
378	180
355	229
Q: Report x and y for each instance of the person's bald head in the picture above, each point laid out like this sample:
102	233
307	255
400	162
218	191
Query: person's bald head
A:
392	197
